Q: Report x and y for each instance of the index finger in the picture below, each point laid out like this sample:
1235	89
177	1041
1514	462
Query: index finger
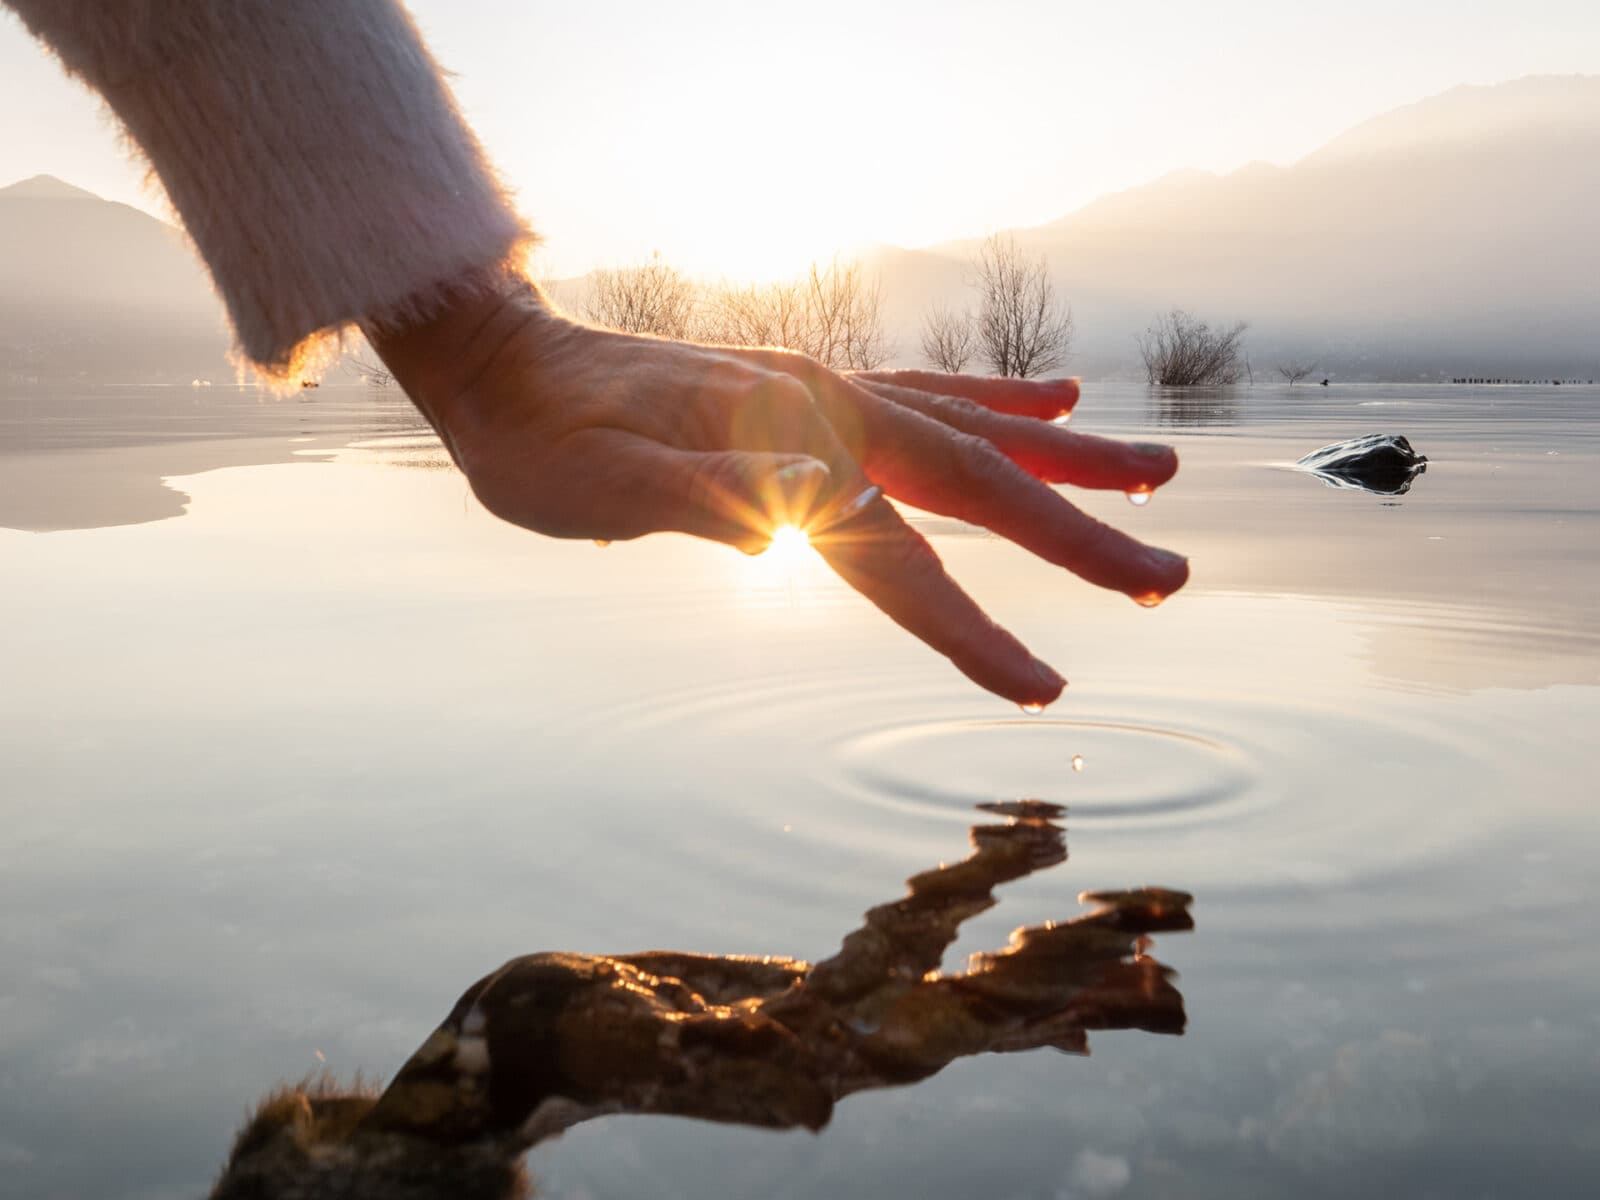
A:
1046	399
892	565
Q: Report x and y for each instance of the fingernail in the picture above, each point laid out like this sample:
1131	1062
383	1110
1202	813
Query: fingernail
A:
1164	560
845	509
797	487
800	483
1048	678
811	469
862	498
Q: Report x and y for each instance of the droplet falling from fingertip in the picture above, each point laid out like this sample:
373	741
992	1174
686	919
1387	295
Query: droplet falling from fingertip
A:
1033	710
602	542
1148	599
1138	498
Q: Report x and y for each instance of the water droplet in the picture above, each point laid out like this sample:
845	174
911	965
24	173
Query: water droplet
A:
1033	710
602	542
1062	417
1139	498
1077	762
1148	599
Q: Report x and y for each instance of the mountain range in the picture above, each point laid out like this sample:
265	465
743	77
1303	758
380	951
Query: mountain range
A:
1456	236
92	288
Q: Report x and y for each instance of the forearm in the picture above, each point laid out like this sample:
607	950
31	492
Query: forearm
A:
311	148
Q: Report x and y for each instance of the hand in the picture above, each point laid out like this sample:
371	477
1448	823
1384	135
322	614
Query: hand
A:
577	432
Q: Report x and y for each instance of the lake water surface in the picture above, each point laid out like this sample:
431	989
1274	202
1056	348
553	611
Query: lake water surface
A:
296	742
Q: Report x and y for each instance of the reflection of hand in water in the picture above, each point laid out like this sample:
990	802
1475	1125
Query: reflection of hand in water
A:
581	432
551	1040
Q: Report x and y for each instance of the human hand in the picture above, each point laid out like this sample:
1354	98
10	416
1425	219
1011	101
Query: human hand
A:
579	432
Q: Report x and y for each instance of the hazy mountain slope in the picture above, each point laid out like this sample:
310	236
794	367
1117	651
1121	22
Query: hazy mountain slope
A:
90	286
1459	234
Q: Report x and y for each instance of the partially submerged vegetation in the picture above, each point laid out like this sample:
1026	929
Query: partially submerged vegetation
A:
1180	350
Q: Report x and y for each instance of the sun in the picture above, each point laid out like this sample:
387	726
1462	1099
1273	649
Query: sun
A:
788	566
789	544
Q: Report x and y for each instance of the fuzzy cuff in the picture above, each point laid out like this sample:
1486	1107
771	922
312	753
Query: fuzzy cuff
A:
311	148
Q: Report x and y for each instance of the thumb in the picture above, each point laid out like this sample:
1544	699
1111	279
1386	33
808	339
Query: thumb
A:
615	484
752	493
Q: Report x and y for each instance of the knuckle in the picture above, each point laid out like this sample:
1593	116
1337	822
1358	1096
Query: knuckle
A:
956	410
1091	538
976	463
776	413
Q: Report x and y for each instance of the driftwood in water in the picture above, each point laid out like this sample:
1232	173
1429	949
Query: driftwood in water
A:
550	1040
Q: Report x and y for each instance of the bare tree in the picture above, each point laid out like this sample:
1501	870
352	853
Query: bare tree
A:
370	372
834	314
949	339
1181	350
1295	371
756	315
650	298
1022	329
844	317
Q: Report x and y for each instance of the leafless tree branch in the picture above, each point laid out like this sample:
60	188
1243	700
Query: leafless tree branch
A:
1180	350
650	298
1023	330
834	314
1294	372
949	339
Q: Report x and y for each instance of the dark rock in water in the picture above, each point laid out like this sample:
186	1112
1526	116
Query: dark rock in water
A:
1382	463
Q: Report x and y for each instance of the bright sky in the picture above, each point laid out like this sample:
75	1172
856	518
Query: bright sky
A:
747	138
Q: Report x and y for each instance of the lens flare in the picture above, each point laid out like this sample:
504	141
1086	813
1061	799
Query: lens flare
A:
788	543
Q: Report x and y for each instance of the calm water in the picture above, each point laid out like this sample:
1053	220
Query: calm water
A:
297	742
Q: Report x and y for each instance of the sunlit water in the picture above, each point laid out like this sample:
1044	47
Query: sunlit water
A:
297	742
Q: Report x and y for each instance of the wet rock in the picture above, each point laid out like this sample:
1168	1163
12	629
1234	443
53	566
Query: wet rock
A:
1381	463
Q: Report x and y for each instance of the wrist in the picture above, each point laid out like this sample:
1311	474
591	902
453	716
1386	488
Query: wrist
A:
437	356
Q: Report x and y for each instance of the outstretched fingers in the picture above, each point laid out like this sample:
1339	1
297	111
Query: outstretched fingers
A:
612	485
1046	451
889	563
927	463
1042	399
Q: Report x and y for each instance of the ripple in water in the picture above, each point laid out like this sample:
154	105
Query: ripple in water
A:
1229	791
1144	773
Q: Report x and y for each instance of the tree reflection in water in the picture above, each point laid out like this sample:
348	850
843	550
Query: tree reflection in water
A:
550	1040
1193	408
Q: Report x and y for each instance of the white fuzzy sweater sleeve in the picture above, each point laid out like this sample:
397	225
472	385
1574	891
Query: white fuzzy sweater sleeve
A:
310	147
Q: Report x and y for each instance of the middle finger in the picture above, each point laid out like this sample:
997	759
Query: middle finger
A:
933	466
1048	452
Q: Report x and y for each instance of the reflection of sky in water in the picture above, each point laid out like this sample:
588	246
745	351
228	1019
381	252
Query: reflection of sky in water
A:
282	776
